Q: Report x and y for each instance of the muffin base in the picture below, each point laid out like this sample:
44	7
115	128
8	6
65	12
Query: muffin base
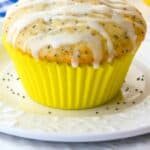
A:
64	87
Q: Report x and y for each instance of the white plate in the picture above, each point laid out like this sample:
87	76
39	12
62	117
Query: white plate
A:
123	117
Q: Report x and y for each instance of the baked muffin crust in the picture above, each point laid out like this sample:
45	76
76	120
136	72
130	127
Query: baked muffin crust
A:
76	32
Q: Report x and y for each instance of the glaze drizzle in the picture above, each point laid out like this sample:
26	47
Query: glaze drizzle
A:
103	10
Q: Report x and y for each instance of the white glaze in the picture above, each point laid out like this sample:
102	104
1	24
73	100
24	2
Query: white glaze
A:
101	30
74	59
29	3
127	26
64	12
58	39
46	15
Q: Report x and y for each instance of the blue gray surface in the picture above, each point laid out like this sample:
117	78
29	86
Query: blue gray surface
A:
4	4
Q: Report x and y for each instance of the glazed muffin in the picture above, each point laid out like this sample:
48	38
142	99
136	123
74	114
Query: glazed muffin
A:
72	54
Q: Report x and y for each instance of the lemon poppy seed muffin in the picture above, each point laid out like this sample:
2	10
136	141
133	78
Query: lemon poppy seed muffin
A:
73	39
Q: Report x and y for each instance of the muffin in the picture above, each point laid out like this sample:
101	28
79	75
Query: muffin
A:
72	54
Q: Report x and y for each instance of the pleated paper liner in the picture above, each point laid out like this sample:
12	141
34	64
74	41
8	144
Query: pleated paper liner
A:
64	87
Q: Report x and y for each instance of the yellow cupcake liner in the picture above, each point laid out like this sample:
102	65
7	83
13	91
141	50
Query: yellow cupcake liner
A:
62	86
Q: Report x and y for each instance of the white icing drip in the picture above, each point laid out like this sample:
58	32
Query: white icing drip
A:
77	9
83	18
93	25
57	40
101	30
46	15
41	35
75	59
131	13
116	5
97	54
127	26
22	23
26	4
21	4
64	12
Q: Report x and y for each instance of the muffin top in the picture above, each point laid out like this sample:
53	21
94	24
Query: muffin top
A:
77	32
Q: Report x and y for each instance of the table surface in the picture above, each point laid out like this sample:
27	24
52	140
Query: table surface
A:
139	143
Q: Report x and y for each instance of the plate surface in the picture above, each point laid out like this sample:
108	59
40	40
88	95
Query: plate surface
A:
125	116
